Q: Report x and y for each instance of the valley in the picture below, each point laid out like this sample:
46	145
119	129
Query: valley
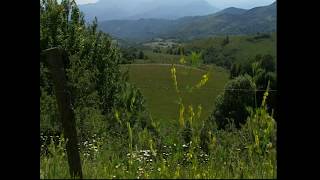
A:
181	89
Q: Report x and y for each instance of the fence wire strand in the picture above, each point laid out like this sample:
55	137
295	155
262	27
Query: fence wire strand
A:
205	88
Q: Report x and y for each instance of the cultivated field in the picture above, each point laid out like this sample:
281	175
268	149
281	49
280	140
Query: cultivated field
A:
155	83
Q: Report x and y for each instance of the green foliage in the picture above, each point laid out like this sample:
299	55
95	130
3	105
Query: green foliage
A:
175	50
156	58
96	85
231	105
63	25
268	63
235	70
209	153
237	51
259	36
156	50
128	55
225	41
261	129
246	153
141	55
262	69
48	112
195	60
120	138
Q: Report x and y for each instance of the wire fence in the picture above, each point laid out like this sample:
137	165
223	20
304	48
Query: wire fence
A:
205	88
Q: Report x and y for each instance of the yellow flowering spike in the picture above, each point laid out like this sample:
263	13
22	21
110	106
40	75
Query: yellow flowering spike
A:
182	60
181	116
257	140
174	77
199	111
265	95
116	114
177	173
213	140
191	114
203	81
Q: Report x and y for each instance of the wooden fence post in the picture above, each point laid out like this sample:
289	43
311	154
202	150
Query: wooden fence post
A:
54	58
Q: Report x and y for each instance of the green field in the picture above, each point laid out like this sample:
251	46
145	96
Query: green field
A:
242	47
154	81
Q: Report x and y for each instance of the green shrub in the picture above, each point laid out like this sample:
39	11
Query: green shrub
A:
231	105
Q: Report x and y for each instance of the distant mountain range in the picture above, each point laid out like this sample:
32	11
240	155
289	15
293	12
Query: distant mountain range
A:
230	21
231	10
159	9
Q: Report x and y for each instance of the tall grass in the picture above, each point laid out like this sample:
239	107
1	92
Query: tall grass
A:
233	154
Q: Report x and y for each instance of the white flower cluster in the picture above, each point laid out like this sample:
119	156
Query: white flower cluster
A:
91	148
141	156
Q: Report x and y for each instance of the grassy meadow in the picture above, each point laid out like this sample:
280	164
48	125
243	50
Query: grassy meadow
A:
242	46
156	85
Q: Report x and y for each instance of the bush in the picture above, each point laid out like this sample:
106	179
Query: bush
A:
268	63
262	69
235	70
231	105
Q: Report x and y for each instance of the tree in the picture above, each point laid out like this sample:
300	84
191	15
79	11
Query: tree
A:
128	55
262	69
234	70
157	50
181	50
141	55
92	69
210	55
225	41
265	62
268	63
232	104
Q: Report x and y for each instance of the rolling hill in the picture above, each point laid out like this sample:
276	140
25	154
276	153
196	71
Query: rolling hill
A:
239	49
232	21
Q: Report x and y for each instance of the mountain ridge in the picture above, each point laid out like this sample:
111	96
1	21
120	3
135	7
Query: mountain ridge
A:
231	21
126	10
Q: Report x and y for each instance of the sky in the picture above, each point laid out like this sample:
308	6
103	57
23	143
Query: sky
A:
221	4
85	1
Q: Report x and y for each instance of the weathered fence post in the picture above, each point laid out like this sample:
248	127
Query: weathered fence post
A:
54	58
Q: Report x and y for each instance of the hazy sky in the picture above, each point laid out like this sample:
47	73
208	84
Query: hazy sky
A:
85	1
247	4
